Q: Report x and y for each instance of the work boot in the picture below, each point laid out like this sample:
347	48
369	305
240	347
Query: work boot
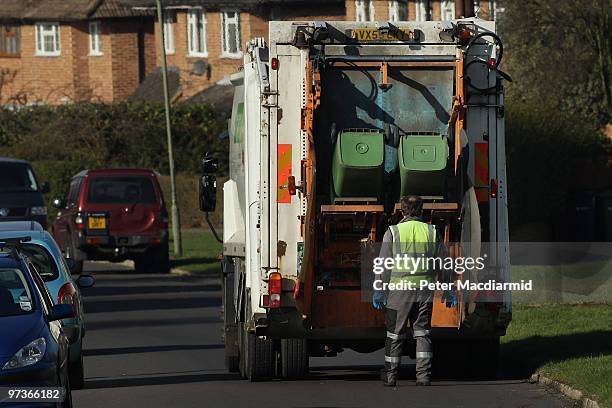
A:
389	379
423	383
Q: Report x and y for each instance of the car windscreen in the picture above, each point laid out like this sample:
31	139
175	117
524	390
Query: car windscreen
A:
121	190
17	177
15	296
42	260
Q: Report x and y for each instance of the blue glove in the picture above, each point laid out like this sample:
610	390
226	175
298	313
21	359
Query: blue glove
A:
378	300
451	298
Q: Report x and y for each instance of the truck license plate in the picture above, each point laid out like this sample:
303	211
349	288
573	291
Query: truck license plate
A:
373	34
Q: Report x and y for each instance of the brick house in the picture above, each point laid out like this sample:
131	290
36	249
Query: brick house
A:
72	50
204	39
417	10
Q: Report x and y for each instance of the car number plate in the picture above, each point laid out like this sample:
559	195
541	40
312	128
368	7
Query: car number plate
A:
96	222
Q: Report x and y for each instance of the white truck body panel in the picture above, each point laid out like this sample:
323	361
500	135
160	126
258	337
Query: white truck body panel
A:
273	104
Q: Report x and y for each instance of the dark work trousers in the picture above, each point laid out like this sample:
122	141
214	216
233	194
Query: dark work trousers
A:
403	306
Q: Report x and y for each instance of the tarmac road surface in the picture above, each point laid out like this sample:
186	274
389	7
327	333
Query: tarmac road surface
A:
155	341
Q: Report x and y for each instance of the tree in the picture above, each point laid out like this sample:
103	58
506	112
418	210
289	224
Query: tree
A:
560	51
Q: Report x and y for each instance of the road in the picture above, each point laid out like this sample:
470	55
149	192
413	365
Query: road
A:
155	341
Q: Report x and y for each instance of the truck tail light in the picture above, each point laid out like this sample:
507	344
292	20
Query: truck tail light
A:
79	221
274	64
275	289
66	296
291	185
464	35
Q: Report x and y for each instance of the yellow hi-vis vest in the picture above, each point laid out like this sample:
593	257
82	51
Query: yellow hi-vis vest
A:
413	240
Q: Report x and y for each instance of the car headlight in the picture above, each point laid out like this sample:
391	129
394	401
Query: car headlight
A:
28	355
38	210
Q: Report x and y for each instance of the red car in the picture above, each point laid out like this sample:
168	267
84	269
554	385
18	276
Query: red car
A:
114	215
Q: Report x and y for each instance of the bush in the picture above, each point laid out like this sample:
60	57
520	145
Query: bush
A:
546	151
113	135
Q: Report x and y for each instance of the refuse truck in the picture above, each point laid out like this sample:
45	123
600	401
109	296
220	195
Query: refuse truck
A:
332	123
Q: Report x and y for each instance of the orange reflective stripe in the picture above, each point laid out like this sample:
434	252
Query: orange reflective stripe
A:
481	170
284	171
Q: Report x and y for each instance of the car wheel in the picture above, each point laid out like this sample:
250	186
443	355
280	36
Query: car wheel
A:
160	258
142	264
77	374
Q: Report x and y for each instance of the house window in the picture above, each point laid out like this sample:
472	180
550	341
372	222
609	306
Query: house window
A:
422	13
95	38
196	33
398	10
10	36
447	10
230	38
48	39
364	10
496	11
169	20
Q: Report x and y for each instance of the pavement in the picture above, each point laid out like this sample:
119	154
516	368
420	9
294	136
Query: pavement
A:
155	341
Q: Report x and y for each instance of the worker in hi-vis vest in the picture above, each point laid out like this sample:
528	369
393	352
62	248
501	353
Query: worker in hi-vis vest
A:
405	304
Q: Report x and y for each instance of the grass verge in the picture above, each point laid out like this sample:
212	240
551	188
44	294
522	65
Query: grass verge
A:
568	343
200	252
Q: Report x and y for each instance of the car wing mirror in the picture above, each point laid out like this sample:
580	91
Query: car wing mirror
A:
44	187
85	281
60	312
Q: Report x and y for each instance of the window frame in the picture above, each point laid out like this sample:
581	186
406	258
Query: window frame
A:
10	31
193	15
225	52
445	7
398	10
168	29
40	39
364	10
93	34
421	10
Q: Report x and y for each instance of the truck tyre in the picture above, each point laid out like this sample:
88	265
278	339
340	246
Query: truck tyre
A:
294	359
242	352
230	328
260	358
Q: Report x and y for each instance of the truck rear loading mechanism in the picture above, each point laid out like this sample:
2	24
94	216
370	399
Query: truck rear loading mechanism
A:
332	123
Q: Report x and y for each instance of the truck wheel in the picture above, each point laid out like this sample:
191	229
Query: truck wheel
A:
260	358
294	359
242	351
231	338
